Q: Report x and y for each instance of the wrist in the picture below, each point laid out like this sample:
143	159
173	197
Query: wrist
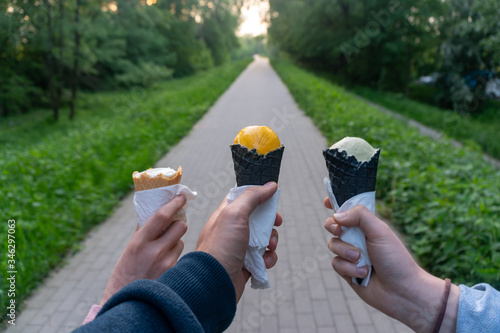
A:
112	287
103	301
422	302
104	298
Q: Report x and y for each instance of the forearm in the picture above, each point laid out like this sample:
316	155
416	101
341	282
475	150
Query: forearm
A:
196	295
420	305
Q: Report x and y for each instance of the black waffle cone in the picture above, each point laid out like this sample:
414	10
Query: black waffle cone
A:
254	169
348	176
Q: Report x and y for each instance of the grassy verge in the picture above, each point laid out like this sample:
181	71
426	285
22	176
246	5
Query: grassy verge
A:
481	129
444	199
60	179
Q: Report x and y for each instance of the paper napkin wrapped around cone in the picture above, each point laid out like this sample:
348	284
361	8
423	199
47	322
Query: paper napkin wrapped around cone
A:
354	235
147	202
261	224
155	188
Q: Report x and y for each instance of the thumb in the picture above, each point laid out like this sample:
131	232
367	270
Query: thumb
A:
360	216
254	196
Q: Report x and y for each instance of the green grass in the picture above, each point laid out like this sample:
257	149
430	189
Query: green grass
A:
482	129
444	199
60	179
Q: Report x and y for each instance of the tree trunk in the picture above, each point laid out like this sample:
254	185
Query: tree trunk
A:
74	82
49	59
60	44
345	8
3	106
202	33
408	73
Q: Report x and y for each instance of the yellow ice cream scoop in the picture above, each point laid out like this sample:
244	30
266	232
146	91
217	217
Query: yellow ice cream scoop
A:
261	138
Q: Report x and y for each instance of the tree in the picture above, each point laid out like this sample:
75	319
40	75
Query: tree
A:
50	48
219	21
471	54
17	89
371	42
76	54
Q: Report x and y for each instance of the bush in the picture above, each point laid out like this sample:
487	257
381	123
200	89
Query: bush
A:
17	94
144	74
444	199
428	94
202	59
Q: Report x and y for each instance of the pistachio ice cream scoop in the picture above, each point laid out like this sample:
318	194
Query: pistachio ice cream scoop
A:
352	167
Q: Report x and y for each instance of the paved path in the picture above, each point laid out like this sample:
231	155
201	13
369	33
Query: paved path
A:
306	294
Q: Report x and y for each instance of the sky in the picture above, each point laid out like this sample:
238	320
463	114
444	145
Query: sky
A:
252	14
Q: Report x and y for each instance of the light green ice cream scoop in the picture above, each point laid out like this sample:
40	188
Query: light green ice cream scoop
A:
356	147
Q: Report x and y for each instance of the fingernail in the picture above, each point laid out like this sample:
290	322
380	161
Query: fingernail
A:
182	196
333	227
275	240
362	271
353	255
339	216
270	184
269	261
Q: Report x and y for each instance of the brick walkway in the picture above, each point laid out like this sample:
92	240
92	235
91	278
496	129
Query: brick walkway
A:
306	294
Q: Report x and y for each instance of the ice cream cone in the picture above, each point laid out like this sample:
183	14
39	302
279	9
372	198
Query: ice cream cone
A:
254	169
348	176
143	181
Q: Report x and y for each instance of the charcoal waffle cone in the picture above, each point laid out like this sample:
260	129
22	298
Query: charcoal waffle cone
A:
348	176
146	182
254	169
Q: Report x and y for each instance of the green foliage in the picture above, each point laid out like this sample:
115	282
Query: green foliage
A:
202	59
444	199
378	42
17	93
387	44
144	73
479	128
251	45
472	35
60	179
218	19
120	44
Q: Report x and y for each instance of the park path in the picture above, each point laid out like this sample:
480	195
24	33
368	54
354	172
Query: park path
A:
306	294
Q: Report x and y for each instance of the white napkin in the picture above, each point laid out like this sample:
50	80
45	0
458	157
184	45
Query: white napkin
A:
354	235
261	225
147	202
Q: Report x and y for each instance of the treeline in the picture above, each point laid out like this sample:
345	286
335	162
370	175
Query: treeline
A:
51	48
388	44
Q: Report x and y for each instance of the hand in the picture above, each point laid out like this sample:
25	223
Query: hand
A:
398	286
152	250
226	234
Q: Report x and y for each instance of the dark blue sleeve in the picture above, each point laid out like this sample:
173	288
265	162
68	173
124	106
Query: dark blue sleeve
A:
196	295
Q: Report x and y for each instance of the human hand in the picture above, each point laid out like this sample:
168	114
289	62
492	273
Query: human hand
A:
152	250
398	286
226	234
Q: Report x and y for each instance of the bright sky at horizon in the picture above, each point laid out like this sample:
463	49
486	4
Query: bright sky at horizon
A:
252	15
